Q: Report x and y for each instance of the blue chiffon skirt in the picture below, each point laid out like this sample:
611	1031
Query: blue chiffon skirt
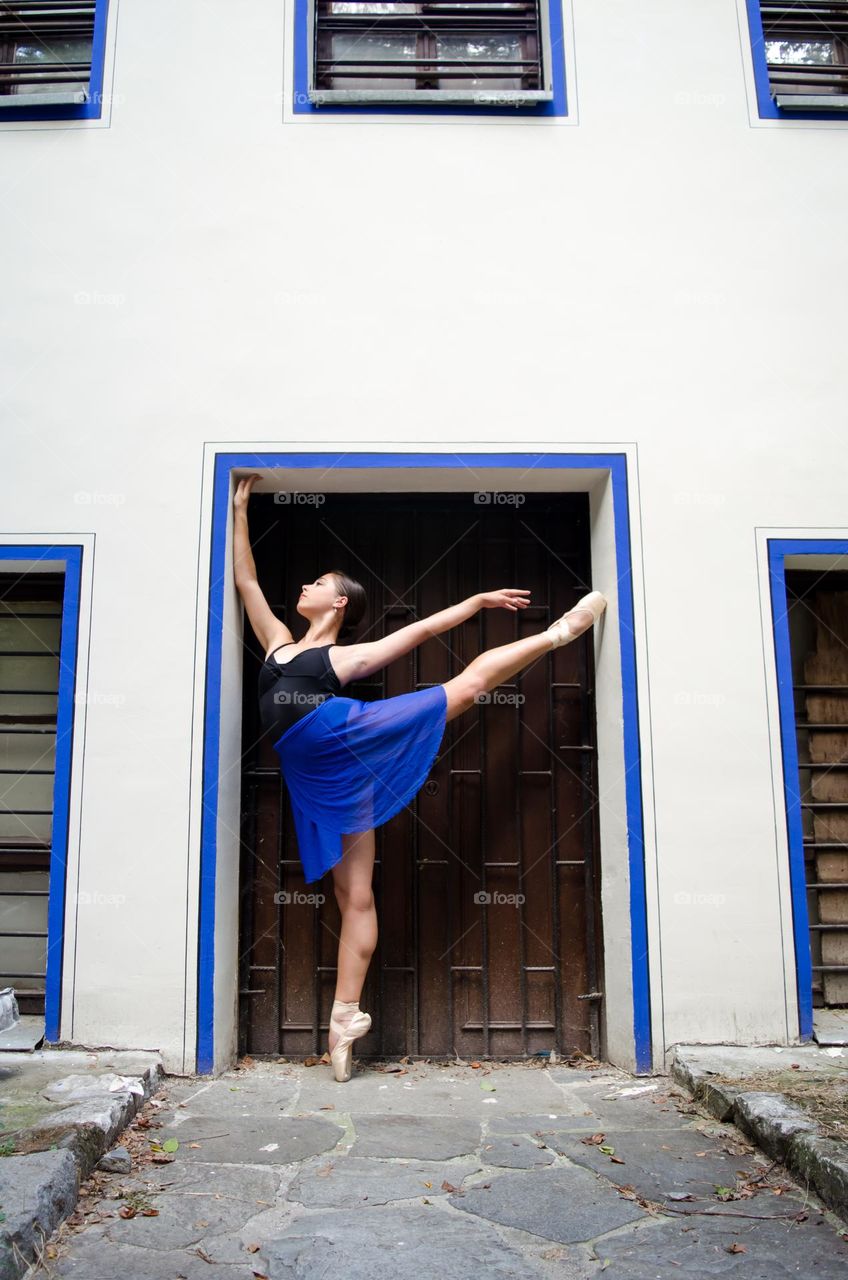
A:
351	765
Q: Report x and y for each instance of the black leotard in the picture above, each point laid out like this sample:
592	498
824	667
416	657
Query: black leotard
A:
290	690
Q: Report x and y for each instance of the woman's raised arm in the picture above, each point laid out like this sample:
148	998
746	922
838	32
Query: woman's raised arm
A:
270	631
373	655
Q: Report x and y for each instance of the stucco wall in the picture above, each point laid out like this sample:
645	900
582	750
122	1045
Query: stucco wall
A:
656	273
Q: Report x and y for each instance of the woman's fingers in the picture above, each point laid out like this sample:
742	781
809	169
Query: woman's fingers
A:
516	593
244	487
511	598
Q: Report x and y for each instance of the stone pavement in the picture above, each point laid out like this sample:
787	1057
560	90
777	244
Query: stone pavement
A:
509	1171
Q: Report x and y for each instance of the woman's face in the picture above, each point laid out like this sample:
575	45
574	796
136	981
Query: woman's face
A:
317	598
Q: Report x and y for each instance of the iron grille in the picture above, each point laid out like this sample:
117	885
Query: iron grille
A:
45	51
477	51
806	46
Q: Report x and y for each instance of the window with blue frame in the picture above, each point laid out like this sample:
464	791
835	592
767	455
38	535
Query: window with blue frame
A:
800	58
51	59
471	56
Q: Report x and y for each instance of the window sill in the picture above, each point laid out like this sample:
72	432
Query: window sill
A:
811	101
61	98
444	97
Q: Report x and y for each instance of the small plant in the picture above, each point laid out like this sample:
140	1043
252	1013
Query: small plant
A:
7	1147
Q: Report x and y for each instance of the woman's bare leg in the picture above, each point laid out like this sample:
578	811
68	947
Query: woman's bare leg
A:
491	668
358	937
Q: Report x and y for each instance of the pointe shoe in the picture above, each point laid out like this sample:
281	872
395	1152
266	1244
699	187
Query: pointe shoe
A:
341	1055
561	631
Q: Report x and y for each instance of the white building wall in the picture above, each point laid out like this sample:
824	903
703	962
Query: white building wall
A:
657	271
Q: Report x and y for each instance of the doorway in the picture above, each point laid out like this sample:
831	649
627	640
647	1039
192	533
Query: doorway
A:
487	885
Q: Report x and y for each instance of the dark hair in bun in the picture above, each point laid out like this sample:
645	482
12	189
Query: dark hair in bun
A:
357	602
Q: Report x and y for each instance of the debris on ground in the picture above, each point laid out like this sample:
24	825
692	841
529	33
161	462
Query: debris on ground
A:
822	1094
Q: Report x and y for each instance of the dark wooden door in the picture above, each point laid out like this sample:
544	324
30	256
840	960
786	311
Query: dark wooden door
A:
487	885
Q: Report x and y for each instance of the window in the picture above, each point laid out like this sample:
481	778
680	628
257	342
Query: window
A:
51	58
475	54
30	629
802	54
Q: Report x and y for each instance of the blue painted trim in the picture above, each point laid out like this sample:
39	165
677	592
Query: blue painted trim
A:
768	108
90	110
616	464
558	106
72	557
211	756
633	778
778	549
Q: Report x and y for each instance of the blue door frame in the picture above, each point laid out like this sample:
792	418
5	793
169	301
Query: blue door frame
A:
71	558
778	550
616	465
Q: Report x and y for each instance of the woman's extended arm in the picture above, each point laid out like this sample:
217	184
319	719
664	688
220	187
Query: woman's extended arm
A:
270	631
376	654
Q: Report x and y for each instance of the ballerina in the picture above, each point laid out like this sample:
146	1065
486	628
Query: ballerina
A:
351	765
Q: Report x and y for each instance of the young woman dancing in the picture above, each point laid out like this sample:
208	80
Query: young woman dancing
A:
350	765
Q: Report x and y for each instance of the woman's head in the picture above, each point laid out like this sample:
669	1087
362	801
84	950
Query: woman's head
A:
337	592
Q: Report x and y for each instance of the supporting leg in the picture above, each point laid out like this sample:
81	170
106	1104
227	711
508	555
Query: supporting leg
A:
358	936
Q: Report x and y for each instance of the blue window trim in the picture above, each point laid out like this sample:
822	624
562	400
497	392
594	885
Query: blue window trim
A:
557	106
90	110
219	584
72	558
768	108
778	550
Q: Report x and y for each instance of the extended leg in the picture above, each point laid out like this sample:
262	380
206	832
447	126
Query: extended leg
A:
491	668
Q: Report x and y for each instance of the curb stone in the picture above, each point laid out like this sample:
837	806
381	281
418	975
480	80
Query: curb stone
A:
824	1163
772	1122
39	1188
719	1099
783	1131
37	1192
